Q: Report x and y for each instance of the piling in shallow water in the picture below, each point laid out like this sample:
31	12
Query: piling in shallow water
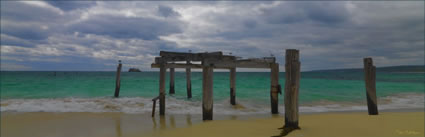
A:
232	86
118	80
274	89
188	82
370	83
172	81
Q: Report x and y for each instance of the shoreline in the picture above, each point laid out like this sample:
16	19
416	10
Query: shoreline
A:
138	105
122	124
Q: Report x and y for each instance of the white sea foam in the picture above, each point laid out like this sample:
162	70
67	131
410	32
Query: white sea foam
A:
178	106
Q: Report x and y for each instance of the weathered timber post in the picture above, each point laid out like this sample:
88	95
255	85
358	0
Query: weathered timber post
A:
274	89
207	93
171	81
188	82
153	108
232	86
118	80
162	71
370	77
292	84
154	105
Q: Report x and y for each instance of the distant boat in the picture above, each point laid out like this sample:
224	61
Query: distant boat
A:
134	70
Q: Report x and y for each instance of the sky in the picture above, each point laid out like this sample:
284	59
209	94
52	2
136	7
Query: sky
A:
94	35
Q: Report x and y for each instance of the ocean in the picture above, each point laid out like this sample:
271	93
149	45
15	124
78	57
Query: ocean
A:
320	91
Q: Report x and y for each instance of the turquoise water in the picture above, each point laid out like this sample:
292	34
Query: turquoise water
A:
92	92
314	86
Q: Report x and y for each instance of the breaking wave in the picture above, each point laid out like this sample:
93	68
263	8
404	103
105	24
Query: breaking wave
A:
183	106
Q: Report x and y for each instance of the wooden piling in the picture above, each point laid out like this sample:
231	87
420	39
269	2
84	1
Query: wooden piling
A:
370	82
153	108
207	93
171	81
162	71
188	82
274	89
232	86
118	80
154	105
292	84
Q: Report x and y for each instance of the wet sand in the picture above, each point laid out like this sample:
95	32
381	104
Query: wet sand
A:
332	124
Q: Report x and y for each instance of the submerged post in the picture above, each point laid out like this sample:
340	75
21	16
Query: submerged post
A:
162	71
188	82
171	81
292	84
118	80
274	89
232	86
370	77
207	93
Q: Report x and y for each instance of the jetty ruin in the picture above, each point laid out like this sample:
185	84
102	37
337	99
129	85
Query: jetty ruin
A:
208	61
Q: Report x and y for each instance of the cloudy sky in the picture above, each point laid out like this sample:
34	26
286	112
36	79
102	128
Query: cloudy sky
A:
84	35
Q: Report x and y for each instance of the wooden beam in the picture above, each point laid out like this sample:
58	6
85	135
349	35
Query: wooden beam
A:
162	71
168	53
245	63
252	64
260	60
176	65
118	80
370	83
188	82
207	93
292	84
197	58
171	90
218	65
274	88
232	86
180	56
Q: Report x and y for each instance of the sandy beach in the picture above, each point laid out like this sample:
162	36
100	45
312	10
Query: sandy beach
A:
332	124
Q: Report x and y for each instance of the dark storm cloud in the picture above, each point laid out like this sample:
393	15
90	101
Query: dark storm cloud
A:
68	34
28	21
298	12
11	40
337	34
250	24
166	11
126	27
72	5
26	31
22	12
